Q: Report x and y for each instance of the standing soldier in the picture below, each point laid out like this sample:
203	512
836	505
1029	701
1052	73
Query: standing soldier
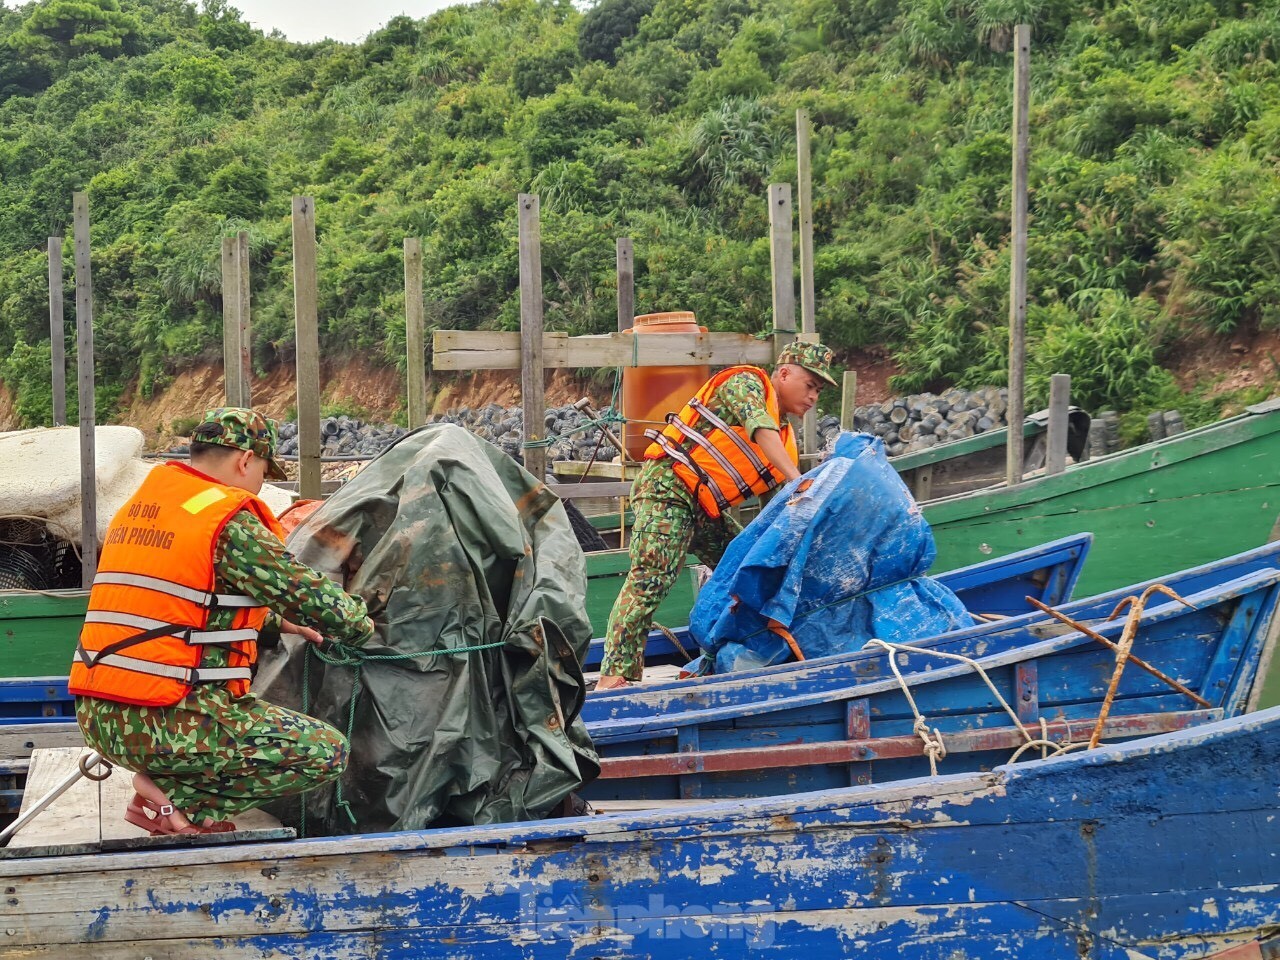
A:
193	567
729	443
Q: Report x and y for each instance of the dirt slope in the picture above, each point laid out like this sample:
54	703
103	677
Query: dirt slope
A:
375	392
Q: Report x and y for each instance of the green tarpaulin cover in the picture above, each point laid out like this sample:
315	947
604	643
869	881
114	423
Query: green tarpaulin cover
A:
452	544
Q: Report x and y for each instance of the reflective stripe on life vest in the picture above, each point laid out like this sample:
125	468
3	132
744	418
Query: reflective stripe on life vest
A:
680	457
189	635
186	675
736	478
160	585
762	468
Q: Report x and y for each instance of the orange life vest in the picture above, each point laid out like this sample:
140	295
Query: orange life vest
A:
720	464
144	635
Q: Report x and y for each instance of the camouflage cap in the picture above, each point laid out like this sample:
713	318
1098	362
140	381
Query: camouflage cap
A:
814	357
242	429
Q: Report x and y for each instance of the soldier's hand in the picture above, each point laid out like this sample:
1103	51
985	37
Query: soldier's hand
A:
307	633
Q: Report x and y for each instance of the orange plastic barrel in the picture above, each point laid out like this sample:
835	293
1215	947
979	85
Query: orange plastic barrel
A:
650	393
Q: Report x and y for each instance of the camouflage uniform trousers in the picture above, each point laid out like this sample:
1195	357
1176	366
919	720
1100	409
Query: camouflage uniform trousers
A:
668	525
213	754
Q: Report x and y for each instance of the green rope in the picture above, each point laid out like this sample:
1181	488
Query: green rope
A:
606	417
342	655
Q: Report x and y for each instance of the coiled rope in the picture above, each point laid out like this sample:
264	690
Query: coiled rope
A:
935	747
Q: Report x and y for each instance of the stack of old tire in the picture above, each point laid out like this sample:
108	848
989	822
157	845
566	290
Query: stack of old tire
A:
1166	424
573	433
344	436
905	424
1104	433
917	422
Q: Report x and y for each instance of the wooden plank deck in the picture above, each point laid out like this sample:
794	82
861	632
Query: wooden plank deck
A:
89	817
658	673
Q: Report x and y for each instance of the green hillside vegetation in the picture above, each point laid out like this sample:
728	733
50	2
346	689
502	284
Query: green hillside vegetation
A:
1155	131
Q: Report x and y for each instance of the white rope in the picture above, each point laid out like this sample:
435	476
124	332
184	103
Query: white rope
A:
934	746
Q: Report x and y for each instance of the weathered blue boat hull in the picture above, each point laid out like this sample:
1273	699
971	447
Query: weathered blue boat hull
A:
1000	586
1161	848
828	673
866	731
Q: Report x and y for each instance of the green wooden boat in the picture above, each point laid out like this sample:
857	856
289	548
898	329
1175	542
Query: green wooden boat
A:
979	461
1167	505
34	631
606	571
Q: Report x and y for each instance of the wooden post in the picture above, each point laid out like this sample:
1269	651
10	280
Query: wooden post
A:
1018	276
1059	400
805	177
230	322
626	320
626	284
244	333
414	333
532	385
57	334
808	324
783	264
781	259
848	399
307	337
84	364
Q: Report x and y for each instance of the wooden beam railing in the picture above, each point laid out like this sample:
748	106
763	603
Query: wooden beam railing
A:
491	350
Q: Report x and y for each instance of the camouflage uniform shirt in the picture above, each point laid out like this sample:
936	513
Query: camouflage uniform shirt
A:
668	524
250	561
216	754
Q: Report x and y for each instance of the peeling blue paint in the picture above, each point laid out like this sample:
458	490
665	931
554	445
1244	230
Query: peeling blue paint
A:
97	930
1048	859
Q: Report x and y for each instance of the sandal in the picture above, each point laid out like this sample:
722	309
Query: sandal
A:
156	819
594	686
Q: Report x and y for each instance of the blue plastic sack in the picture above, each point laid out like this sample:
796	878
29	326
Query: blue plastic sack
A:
836	558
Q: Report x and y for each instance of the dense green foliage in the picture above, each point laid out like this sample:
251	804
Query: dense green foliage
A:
1155	196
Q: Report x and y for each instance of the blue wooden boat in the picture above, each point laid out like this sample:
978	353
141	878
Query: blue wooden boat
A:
892	725
1047	572
997	587
827	673
1162	847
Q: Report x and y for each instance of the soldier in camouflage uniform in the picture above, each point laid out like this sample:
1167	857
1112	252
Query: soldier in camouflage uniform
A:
215	754
669	523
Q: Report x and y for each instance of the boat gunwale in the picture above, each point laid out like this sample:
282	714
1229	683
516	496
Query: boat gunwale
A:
1108	468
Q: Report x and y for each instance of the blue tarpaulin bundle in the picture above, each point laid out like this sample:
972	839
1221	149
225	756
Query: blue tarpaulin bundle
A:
836	558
